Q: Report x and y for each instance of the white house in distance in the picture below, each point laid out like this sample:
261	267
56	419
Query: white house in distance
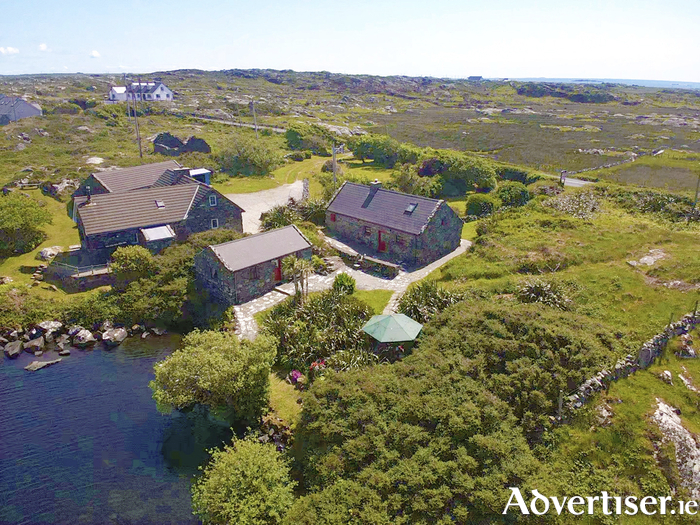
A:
148	91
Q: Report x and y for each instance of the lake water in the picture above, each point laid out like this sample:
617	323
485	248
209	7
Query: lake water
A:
81	442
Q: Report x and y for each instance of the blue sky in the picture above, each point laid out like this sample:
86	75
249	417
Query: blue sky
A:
640	39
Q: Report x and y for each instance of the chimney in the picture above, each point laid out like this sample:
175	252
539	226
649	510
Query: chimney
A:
89	195
373	187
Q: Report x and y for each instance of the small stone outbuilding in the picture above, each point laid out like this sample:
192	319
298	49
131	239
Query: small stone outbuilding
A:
238	271
399	227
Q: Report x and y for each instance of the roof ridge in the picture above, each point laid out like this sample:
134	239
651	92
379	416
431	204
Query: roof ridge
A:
260	235
393	191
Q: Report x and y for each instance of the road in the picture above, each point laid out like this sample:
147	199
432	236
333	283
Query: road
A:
576	183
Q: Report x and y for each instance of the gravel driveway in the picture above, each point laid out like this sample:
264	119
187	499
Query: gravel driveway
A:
261	201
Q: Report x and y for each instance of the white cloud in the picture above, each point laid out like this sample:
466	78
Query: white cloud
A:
43	47
9	50
94	54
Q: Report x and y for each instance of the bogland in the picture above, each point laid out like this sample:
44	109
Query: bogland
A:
559	285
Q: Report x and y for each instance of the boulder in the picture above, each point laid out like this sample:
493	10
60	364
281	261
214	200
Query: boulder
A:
35	345
84	338
145	334
106	325
159	331
64	352
38	365
63	339
49	253
50	326
74	330
13	349
195	144
114	336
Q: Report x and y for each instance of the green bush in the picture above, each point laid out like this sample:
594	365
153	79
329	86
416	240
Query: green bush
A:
513	194
426	299
541	291
245	155
482	205
247	482
325	326
344	284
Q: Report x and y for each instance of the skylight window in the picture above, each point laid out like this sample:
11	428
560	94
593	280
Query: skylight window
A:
160	204
411	208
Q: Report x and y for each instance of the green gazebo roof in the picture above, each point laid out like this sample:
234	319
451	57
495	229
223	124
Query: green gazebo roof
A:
395	328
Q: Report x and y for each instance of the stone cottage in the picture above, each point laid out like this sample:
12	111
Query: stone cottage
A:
153	217
399	227
236	272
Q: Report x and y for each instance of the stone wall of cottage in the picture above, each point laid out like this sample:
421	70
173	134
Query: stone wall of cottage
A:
400	246
201	214
96	188
441	236
241	286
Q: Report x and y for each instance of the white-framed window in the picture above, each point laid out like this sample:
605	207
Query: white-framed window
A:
212	200
214	223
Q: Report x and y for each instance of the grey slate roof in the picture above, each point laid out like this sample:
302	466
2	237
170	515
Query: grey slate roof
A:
127	179
112	212
386	208
16	108
259	248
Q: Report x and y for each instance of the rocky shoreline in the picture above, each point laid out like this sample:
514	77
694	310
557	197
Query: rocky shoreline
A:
54	335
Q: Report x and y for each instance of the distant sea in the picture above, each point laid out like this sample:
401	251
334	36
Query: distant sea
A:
643	83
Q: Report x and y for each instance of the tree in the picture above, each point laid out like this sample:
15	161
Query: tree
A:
21	219
407	180
246	483
481	205
298	270
131	263
216	370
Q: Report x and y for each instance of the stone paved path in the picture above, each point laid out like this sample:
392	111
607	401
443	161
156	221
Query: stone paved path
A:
246	327
261	201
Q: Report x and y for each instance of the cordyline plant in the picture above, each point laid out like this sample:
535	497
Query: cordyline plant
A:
426	299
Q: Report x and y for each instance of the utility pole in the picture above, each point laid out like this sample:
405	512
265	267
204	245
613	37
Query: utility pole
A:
136	119
697	191
335	169
255	119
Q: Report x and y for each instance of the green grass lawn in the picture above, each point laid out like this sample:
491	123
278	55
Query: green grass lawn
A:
376	299
61	232
283	401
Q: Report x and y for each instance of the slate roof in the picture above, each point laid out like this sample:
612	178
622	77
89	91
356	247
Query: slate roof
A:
112	212
18	107
127	179
260	248
144	87
385	208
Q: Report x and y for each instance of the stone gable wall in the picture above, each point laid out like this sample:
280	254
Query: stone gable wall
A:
201	214
442	235
238	287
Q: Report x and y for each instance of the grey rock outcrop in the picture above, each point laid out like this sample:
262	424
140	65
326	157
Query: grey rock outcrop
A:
35	345
84	338
13	349
114	336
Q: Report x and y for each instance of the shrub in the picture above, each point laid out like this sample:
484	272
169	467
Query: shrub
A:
328	167
297	156
424	300
541	291
344	284
325	326
247	156
481	205
513	194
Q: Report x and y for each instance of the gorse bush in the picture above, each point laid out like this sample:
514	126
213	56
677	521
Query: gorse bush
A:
513	193
582	204
481	205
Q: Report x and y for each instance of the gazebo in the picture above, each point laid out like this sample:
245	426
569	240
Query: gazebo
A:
392	329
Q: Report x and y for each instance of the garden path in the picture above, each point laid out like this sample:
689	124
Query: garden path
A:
247	327
261	201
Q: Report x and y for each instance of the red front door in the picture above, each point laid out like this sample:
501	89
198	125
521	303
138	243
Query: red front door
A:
278	271
382	243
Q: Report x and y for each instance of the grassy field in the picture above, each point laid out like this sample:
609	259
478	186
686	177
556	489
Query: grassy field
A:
376	299
283	401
